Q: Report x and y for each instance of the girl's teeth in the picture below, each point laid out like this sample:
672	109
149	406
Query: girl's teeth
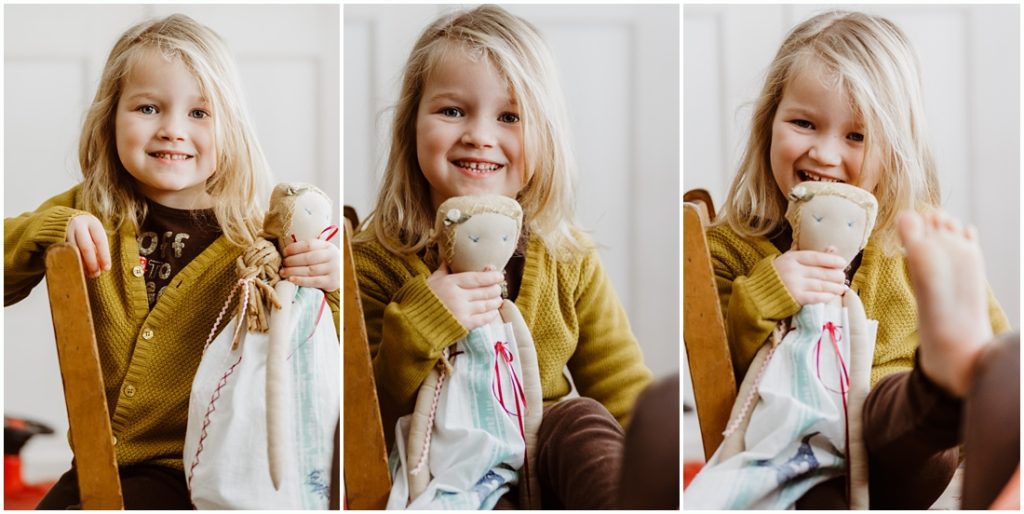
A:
816	178
482	166
173	157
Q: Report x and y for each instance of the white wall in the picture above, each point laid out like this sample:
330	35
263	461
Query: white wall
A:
289	62
619	66
970	63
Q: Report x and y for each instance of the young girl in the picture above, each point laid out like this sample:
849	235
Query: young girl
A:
174	189
480	111
842	102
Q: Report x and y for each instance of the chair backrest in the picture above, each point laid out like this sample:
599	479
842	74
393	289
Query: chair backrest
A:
707	349
367	479
91	437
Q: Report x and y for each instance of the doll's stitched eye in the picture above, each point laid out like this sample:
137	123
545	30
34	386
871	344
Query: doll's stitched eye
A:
504	237
308	211
817	218
849	224
475	239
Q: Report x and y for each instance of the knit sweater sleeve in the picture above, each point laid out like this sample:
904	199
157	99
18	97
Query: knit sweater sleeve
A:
607	364
407	327
26	239
752	294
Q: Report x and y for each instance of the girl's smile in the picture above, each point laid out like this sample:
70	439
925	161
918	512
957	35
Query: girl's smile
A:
468	136
165	133
817	135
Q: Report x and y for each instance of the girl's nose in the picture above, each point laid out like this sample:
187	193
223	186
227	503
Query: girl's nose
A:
171	130
826	151
478	134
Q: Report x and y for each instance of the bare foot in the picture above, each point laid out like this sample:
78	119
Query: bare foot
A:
948	275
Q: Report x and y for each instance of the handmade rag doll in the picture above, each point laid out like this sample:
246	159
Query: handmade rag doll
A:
478	411
284	394
797	418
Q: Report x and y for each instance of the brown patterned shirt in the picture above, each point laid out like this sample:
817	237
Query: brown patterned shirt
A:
168	240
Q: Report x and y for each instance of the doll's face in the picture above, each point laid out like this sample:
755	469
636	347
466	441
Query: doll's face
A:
832	221
486	239
310	216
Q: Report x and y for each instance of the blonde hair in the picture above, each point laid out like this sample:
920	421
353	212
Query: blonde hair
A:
241	177
404	211
459	209
873	61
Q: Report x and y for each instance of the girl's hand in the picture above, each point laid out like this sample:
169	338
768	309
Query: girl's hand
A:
86	232
314	263
812	277
473	296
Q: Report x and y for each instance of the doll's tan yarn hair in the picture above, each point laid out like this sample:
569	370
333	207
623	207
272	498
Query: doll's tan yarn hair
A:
805	191
456	210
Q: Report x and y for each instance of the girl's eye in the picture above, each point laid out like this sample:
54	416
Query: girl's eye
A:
198	114
147	109
508	117
856	137
804	124
451	112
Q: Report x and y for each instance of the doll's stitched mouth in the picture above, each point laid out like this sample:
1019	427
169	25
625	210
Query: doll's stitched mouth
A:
817	178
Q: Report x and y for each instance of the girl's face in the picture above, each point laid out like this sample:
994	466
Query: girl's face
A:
817	135
165	133
468	137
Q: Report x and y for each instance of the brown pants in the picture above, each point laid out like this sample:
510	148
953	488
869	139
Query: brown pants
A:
913	428
143	487
582	454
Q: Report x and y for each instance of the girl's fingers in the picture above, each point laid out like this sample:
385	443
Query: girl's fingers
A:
308	270
87	250
485	306
819	259
833	275
476	279
484	293
321	255
99	239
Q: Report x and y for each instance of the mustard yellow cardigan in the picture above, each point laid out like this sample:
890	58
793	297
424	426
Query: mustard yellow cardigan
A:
148	357
754	299
570	307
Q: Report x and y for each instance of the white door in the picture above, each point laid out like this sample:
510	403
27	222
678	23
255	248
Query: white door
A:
288	59
619	67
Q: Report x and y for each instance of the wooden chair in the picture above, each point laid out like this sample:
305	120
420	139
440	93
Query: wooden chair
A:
707	349
367	478
91	437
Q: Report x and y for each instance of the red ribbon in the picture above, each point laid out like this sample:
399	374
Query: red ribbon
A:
502	353
844	377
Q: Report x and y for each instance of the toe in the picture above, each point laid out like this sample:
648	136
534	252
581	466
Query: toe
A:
911	227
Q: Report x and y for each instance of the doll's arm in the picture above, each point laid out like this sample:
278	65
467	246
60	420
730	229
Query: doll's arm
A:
407	326
752	296
607	365
26	239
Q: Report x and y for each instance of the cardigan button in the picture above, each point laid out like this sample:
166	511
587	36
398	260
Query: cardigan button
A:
113	439
137	271
147	333
129	390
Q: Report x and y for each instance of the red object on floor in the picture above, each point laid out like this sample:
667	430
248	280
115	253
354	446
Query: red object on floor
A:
17	494
690	470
